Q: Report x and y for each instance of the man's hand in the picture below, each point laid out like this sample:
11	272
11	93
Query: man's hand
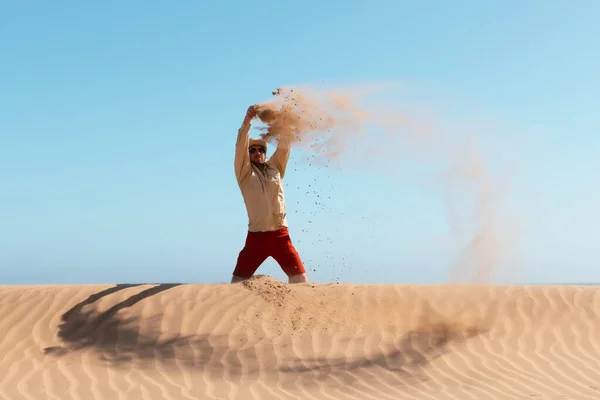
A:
250	114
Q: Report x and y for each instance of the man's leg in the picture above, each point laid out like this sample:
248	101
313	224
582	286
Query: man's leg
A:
300	278
254	253
237	279
286	255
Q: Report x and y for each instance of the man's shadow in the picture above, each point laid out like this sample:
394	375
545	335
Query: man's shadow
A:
118	340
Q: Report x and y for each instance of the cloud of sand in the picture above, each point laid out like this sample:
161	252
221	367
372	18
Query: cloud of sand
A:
329	123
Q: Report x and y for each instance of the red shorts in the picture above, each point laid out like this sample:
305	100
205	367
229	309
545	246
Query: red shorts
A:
260	245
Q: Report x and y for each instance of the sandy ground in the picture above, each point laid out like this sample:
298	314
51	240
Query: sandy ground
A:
264	339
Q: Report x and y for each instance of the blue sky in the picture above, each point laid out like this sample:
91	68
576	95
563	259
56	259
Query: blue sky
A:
118	122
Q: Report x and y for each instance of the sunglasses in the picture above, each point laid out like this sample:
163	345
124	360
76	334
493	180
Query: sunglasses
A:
260	150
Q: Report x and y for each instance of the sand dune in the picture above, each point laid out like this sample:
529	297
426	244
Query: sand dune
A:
267	340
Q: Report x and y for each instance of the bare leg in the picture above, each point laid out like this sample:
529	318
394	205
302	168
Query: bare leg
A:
300	278
237	279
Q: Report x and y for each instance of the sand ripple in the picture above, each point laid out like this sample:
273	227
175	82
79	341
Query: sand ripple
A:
267	340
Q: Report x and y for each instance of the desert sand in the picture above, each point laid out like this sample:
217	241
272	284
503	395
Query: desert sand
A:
264	339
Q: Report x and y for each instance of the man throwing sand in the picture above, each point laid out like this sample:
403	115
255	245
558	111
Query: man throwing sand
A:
261	184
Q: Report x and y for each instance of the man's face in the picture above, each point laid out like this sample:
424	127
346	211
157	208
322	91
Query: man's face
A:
257	154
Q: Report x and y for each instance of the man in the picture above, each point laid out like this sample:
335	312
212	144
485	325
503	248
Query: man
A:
261	184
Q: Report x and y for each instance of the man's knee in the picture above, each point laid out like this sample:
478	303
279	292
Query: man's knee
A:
299	278
238	279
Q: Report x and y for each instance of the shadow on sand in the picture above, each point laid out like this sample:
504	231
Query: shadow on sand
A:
119	342
408	358
116	339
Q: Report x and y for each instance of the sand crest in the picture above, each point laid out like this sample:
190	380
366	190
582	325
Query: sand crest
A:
264	339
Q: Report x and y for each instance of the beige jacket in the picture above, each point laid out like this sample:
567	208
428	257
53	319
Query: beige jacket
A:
262	191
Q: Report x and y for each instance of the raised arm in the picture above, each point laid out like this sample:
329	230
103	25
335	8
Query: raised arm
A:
241	161
281	156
